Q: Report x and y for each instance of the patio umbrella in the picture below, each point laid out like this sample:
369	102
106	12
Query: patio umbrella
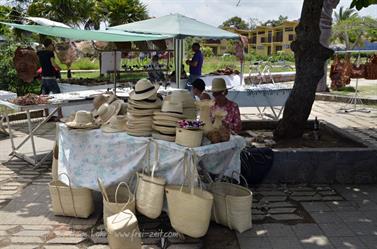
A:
179	27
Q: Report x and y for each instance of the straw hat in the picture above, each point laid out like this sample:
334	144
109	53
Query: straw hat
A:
139	133
182	96
130	117
146	104
123	109
165	123
106	111
172	109
115	124
144	89
218	85
83	120
99	100
160	136
141	112
164	129
166	118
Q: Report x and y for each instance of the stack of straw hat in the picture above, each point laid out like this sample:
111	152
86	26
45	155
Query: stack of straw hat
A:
165	121
188	103
142	103
106	106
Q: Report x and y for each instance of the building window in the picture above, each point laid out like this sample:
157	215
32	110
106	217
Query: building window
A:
260	47
288	29
260	32
286	46
279	48
263	39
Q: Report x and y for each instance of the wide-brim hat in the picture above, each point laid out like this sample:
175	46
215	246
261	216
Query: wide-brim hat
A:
139	124
106	111
159	136
139	112
166	118
183	96
165	123
219	85
83	120
144	89
146	104
147	118
139	133
168	114
115	124
164	129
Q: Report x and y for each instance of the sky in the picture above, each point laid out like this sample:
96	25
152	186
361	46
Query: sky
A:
216	11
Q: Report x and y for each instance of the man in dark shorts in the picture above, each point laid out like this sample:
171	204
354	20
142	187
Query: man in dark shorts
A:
49	67
195	64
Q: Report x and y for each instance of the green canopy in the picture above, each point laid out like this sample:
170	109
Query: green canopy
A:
79	34
178	26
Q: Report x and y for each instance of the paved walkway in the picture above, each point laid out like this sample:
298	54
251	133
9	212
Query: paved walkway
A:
284	216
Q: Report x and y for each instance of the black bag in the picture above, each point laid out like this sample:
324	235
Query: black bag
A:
256	163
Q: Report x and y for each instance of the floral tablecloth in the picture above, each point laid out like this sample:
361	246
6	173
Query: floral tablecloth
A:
86	155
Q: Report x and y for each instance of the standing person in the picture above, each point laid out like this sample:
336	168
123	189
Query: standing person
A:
232	121
49	67
195	64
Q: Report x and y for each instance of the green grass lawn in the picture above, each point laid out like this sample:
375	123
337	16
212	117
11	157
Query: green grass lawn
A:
364	91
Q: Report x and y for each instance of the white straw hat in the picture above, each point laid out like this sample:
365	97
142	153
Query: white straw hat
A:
164	129
165	123
83	120
115	124
106	111
144	89
172	109
182	96
146	104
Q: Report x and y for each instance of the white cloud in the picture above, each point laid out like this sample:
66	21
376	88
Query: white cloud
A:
216	11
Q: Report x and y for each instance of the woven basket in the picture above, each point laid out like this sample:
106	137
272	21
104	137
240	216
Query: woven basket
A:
123	231
150	190
115	201
189	208
70	201
232	205
189	137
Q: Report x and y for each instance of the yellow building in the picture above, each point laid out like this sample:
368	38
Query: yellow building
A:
263	40
267	40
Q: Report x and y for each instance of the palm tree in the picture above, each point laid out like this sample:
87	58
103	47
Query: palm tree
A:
344	14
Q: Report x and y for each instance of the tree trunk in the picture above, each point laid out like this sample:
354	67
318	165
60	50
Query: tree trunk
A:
310	57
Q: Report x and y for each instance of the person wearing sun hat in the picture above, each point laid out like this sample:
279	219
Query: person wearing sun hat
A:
232	121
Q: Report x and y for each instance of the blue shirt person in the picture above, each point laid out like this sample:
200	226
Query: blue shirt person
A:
195	64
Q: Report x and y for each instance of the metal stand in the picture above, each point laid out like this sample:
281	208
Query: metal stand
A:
355	100
15	153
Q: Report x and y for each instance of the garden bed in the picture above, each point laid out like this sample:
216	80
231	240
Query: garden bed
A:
338	157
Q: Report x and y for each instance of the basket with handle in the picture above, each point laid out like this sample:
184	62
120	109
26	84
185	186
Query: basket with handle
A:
150	189
70	201
189	207
232	205
123	230
115	201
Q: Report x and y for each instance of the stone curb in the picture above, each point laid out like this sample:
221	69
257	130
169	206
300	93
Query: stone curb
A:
343	99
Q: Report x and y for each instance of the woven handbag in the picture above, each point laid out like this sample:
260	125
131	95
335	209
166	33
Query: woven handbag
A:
123	231
70	201
115	201
232	205
150	190
189	207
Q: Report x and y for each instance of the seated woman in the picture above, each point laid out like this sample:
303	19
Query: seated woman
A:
155	74
232	121
183	74
198	87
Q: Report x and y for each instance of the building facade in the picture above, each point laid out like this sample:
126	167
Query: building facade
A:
263	40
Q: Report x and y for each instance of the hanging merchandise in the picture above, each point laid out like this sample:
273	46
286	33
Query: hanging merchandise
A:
123	231
115	201
232	205
70	201
340	72
150	189
371	68
189	207
26	61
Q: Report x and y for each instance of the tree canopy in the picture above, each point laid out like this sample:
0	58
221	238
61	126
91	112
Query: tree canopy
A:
359	4
277	22
235	22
